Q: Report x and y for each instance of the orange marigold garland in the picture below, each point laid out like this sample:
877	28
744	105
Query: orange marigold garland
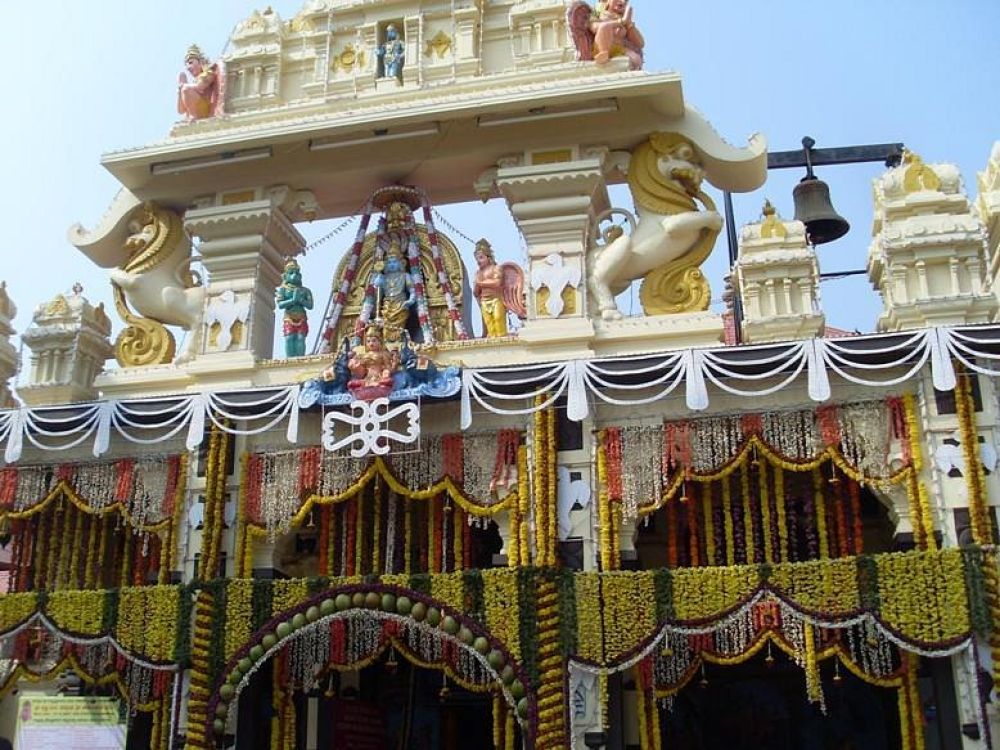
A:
552	500
215	501
551	733
523	505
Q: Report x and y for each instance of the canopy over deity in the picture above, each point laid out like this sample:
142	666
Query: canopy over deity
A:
404	277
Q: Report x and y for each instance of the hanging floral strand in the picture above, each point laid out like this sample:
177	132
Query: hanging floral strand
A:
923	527
604	505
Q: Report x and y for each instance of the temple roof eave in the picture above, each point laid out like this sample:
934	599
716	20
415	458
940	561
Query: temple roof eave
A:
642	103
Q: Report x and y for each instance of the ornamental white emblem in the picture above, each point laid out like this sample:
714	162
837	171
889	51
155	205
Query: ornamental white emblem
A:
369	427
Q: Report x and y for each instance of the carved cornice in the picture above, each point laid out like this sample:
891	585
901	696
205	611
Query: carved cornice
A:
475	96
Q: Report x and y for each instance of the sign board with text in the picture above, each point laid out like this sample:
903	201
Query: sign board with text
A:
58	723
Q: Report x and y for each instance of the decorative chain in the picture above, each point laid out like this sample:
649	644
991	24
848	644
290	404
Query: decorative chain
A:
332	233
451	227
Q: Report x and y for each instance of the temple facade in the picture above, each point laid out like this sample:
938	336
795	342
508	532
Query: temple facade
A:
472	503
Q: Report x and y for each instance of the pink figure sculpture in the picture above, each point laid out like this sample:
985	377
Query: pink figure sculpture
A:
604	33
201	96
372	367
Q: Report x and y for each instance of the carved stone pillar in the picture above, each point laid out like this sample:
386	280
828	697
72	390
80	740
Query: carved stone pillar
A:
10	360
554	197
468	41
927	258
244	247
778	281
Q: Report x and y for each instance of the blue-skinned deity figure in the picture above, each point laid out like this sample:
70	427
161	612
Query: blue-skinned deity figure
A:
396	292
391	54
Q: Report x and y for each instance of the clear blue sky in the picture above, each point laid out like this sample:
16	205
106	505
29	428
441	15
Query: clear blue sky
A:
89	76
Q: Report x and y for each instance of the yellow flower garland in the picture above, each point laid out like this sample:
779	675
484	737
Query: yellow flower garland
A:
629	611
500	600
782	512
15	609
814	688
553	498
244	545
449	589
969	435
588	617
605	530
923	523
922	594
765	513
239	614
727	520
551	706
819	508
79	612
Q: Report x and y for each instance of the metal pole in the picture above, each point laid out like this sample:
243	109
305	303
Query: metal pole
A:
734	253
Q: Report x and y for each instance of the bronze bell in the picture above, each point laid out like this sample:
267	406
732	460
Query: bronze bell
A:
813	208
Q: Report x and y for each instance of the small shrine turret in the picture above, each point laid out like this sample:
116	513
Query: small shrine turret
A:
778	281
68	338
10	359
927	257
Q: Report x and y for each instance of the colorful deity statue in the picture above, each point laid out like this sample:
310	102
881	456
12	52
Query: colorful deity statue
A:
605	32
391	54
395	292
294	299
499	289
372	366
201	96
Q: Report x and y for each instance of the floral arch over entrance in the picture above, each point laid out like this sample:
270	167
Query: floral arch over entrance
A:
356	624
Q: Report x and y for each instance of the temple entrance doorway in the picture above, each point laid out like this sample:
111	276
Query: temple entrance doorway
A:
762	704
395	705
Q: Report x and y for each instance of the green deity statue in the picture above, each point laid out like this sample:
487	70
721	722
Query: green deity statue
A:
295	300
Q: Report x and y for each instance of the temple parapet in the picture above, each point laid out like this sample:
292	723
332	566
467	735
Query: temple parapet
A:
68	338
927	257
778	281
